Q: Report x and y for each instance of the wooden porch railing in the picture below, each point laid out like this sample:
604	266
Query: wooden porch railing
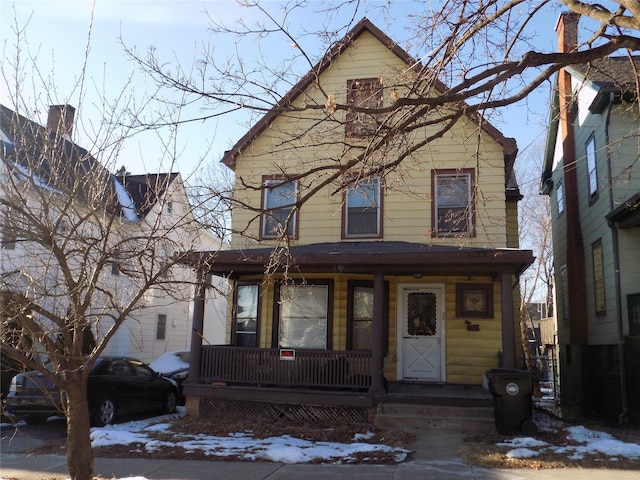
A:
309	368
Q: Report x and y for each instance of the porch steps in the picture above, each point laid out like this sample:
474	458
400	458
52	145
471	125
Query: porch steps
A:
399	416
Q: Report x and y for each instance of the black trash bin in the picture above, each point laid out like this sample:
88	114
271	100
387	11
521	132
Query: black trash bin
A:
512	392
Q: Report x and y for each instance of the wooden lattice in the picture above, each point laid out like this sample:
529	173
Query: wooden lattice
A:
236	410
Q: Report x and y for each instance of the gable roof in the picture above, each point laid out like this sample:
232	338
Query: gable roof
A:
230	156
618	73
33	149
54	161
613	78
146	190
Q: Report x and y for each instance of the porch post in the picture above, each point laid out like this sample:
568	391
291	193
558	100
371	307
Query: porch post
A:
197	327
508	322
377	343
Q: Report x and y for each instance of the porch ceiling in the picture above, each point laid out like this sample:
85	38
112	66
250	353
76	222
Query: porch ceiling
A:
391	258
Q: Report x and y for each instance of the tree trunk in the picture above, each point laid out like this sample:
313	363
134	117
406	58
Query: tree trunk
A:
79	452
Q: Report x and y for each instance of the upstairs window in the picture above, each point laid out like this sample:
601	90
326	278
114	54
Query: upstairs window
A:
362	210
161	327
592	168
453	207
278	204
560	198
363	93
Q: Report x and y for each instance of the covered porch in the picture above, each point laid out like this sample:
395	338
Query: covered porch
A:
222	375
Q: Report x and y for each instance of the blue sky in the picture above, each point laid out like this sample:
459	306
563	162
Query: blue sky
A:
55	33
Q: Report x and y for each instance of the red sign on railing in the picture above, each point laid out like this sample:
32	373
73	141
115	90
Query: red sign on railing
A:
287	354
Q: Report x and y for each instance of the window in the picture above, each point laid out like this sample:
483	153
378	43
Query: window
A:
8	236
560	198
161	330
363	93
360	315
169	207
115	264
592	168
278	204
453	203
362	210
304	319
246	315
564	281
633	307
598	277
361	318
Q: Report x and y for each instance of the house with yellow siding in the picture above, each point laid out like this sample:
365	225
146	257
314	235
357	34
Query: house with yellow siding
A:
364	257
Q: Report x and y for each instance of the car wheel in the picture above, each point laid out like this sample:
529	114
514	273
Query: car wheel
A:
35	419
105	412
170	402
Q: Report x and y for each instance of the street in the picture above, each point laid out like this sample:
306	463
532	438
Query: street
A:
27	438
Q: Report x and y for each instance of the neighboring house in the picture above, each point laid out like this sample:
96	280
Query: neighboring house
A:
592	175
147	204
406	278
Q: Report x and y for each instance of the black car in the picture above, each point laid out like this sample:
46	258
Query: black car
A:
116	386
174	365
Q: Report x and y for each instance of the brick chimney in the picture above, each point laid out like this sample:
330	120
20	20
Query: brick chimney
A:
60	119
567	30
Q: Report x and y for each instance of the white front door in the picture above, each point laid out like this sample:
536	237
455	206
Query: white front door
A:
421	328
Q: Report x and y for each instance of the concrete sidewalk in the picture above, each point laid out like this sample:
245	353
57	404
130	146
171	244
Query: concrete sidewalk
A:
20	466
436	456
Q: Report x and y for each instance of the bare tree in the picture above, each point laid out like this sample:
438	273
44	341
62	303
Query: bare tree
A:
80	254
536	284
470	58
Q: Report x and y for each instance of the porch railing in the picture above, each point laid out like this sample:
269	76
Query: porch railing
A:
273	367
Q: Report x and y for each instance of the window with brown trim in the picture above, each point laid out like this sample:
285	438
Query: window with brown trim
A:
360	315
453	203
303	314
363	93
598	278
362	212
278	204
246	314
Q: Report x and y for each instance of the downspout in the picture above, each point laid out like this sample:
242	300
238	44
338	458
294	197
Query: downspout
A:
624	415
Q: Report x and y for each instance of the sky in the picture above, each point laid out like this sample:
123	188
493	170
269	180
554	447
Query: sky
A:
54	35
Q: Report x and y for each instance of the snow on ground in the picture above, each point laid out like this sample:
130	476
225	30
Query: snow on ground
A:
283	449
587	442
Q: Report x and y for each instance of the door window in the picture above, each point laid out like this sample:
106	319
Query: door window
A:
421	314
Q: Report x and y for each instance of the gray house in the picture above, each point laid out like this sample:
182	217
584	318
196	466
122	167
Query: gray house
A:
592	175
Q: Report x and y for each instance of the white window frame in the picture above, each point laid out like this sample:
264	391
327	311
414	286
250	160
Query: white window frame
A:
592	167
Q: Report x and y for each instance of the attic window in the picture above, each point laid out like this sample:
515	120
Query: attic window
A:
363	93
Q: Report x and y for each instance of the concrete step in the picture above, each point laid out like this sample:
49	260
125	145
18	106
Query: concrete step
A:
466	419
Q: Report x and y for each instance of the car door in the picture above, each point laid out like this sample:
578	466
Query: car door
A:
129	390
150	387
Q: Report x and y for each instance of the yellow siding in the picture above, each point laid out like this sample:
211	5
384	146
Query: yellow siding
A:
469	353
407	193
407	205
